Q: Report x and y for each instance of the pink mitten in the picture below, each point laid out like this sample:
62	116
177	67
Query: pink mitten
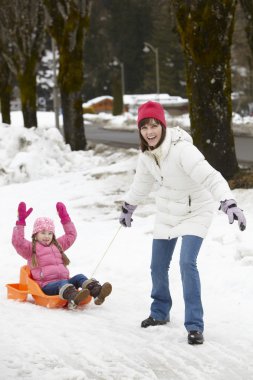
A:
22	214
62	212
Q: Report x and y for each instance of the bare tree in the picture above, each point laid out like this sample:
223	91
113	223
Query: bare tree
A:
6	80
206	28
67	23
22	31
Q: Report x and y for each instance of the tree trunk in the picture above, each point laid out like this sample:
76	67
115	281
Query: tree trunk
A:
209	90
70	84
6	105
73	119
118	106
27	87
67	24
6	84
206	29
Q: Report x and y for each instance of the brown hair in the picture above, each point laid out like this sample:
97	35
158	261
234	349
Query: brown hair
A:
65	259
143	143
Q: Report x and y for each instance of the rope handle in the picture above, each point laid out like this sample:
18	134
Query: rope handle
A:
109	245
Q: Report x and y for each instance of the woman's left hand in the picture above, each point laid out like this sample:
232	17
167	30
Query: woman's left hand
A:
233	212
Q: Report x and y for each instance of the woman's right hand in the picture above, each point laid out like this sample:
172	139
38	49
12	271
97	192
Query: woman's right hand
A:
126	214
23	214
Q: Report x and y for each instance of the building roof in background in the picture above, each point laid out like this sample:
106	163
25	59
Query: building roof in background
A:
137	99
164	99
99	99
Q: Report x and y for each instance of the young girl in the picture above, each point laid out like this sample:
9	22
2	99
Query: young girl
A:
47	260
187	188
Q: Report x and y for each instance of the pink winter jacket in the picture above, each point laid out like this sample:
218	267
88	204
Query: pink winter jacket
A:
50	263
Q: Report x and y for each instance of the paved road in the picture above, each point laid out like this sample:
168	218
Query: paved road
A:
129	139
119	138
244	149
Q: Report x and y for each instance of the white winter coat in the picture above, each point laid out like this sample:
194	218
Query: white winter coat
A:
188	186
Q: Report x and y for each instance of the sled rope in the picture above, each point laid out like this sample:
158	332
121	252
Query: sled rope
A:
109	245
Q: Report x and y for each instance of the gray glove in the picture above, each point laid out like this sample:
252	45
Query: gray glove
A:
126	214
233	212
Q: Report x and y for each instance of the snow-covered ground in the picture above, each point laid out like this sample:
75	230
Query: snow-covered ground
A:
106	342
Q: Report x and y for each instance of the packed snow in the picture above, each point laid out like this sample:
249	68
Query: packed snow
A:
106	342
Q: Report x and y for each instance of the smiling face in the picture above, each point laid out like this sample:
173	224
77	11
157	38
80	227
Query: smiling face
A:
44	237
151	132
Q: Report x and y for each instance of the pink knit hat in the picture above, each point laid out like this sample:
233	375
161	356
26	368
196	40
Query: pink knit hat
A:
41	224
151	110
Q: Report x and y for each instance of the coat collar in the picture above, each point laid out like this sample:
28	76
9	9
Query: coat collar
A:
172	137
163	149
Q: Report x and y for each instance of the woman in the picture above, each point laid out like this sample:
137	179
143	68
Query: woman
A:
185	201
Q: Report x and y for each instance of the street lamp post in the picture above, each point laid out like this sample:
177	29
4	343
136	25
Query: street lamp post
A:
154	50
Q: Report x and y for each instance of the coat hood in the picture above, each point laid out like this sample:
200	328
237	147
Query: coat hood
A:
178	134
173	136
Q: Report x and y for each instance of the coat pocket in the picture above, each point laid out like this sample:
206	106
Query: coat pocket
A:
189	204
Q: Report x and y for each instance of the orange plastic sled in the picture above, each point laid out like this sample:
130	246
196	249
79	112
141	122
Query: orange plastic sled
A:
27	286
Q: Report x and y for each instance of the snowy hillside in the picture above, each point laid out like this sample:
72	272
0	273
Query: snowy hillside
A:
106	342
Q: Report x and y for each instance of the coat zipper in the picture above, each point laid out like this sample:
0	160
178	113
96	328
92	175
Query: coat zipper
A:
189	202
156	160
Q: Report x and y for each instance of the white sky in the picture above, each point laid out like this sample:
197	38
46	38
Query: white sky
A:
106	342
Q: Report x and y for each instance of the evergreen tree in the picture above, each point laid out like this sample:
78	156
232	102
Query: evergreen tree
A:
247	6
117	31
241	65
97	53
171	60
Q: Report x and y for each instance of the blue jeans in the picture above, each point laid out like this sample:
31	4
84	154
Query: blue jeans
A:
162	252
53	288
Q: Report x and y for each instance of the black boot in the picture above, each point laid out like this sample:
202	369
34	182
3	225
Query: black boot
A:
69	293
99	292
152	322
195	337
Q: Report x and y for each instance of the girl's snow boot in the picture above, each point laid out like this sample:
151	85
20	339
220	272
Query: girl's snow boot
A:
69	293
98	291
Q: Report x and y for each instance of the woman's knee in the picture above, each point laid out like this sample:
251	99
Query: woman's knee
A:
187	265
157	267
